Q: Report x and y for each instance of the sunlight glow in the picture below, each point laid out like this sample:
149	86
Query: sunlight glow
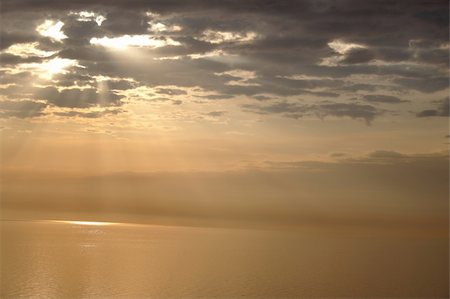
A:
50	67
94	223
27	50
133	41
52	30
57	65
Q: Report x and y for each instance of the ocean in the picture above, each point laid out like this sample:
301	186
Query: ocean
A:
63	259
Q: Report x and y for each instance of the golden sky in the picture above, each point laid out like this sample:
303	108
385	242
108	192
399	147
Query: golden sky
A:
297	112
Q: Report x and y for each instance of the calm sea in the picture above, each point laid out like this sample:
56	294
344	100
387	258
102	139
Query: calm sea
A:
50	259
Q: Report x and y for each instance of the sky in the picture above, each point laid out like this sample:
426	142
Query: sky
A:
251	112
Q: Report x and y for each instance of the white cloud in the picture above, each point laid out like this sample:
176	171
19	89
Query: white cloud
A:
342	47
52	30
151	14
28	49
160	27
87	16
217	37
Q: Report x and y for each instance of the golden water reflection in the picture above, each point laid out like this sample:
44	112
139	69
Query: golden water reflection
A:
94	223
86	259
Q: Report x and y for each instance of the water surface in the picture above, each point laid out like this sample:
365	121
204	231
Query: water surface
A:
51	259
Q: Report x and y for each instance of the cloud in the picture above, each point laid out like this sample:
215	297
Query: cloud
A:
52	29
280	49
10	38
280	107
443	109
358	56
77	98
366	112
359	87
378	98
26	50
133	41
21	109
293	110
171	91
88	114
124	21
218	37
433	84
382	154
262	97
216	113
89	16
217	96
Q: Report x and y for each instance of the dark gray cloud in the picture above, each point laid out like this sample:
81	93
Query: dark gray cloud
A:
323	94
77	98
359	87
126	22
88	114
262	97
216	113
366	112
21	109
388	157
10	37
11	60
427	86
378	98
358	56
217	96
443	109
119	84
280	107
294	110
433	56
